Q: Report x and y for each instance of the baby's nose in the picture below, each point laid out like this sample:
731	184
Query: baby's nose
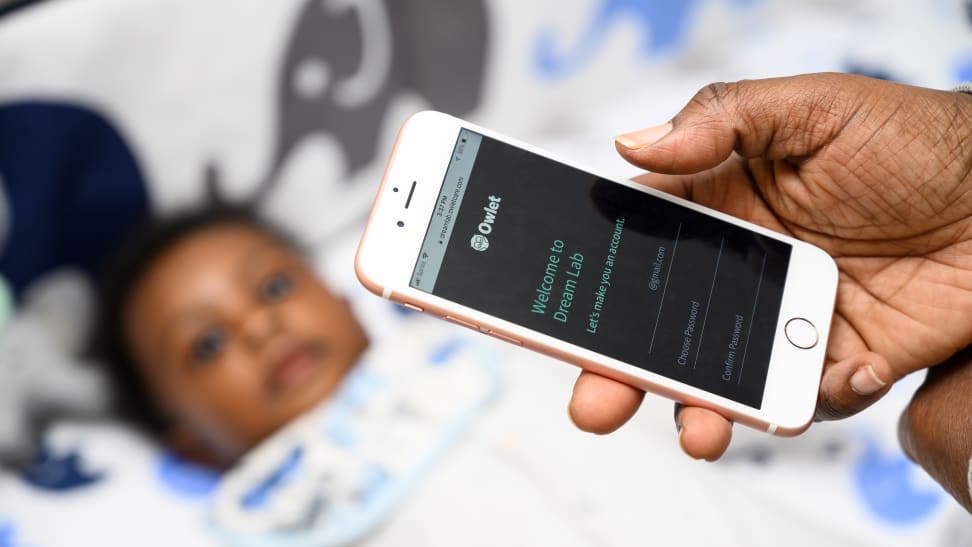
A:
261	323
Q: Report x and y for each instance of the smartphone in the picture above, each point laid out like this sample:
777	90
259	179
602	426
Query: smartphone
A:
609	275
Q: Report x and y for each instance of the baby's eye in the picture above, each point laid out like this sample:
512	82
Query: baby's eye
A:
209	345
278	286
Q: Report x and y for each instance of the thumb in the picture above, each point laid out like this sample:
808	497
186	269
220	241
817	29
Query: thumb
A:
773	118
851	385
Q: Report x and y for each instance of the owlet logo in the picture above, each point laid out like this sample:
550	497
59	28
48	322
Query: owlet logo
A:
479	241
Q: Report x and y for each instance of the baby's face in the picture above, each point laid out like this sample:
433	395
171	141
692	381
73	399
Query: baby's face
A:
235	336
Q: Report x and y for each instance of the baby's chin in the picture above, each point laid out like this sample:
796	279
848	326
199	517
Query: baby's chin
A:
299	383
308	386
276	416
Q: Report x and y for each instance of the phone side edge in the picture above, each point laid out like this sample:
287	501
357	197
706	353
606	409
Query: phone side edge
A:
552	350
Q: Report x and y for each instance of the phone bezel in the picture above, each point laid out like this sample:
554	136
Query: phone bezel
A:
388	252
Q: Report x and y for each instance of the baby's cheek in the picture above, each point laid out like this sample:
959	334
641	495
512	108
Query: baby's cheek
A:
307	312
232	397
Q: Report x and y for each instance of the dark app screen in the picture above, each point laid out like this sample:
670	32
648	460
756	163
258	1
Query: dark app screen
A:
605	267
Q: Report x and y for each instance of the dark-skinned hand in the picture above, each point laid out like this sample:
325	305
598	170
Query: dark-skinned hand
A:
875	173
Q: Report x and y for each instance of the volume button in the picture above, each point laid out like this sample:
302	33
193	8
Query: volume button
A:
413	307
505	338
461	322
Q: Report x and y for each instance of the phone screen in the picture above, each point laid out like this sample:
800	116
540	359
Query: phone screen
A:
605	267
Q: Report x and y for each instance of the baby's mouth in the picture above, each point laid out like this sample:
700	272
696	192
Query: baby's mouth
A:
293	364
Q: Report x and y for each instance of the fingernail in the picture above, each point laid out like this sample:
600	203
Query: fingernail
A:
866	382
645	137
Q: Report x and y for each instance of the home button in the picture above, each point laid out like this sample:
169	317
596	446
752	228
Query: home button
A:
801	333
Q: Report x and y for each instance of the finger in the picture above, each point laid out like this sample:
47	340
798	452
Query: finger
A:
774	118
851	385
702	434
601	405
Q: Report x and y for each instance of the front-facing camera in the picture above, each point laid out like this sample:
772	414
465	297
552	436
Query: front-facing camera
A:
401	224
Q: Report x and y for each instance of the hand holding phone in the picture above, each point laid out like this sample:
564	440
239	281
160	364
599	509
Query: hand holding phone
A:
633	284
856	166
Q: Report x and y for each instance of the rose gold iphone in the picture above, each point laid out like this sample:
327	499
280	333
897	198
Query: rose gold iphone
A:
625	281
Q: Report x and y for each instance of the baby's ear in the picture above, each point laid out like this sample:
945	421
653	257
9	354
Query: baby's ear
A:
189	446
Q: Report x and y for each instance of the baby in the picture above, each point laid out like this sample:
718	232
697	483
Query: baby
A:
218	333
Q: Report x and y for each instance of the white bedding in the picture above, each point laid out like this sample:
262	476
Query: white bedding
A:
191	84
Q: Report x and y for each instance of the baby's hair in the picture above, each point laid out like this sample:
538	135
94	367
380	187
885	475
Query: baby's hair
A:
133	260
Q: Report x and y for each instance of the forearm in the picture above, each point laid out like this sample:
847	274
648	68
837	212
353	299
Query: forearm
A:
936	428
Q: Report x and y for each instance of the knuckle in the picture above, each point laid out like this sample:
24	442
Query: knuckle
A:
718	106
905	434
917	426
717	94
